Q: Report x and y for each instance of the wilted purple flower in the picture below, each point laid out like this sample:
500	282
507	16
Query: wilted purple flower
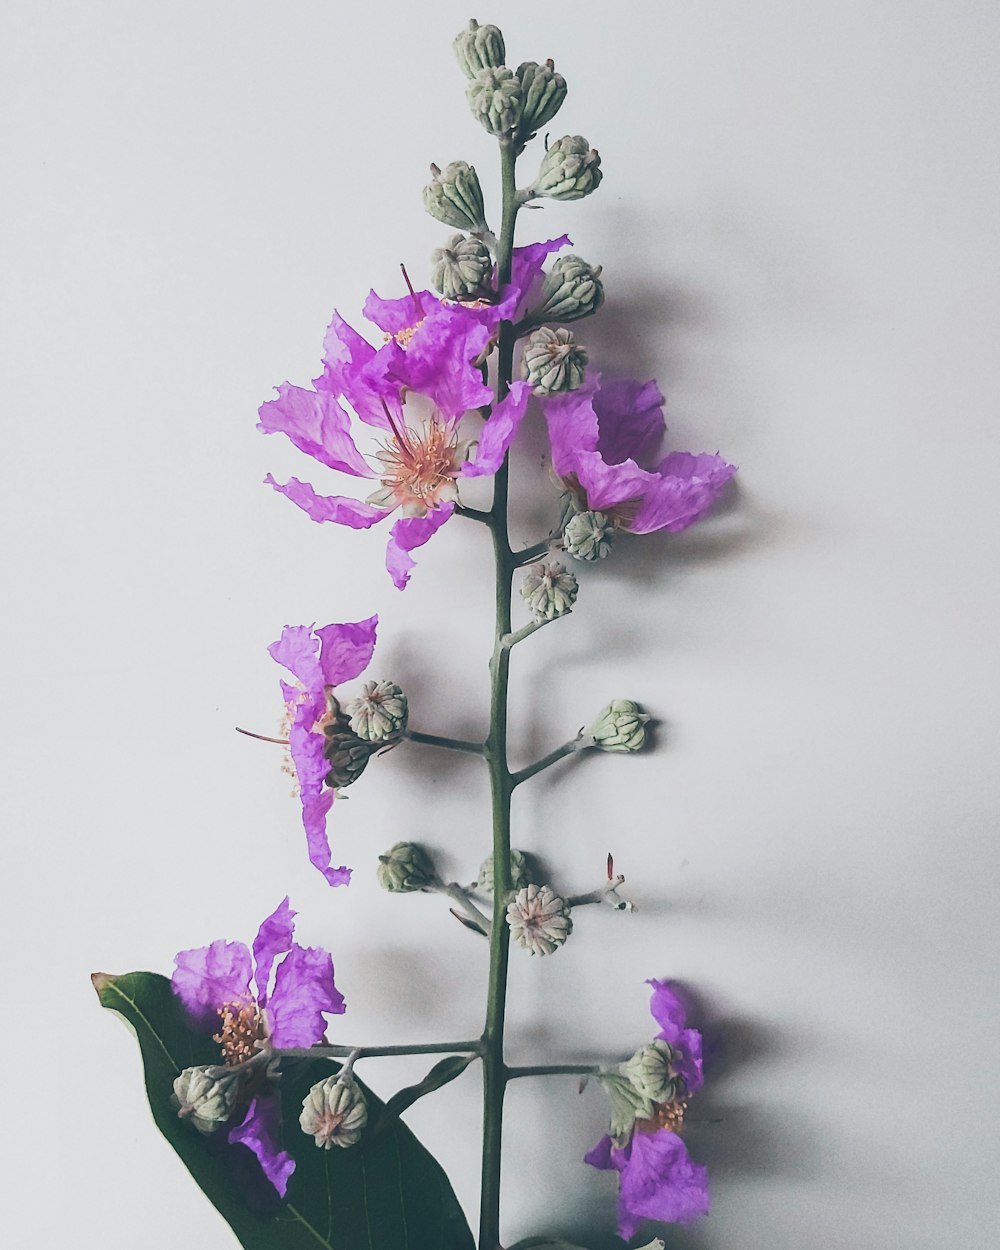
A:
226	988
320	659
600	437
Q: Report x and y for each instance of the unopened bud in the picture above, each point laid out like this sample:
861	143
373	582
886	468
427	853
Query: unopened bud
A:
553	362
379	713
543	91
494	96
334	1112
455	197
461	268
620	727
628	1104
572	289
653	1073
479	47
519	875
570	170
404	868
549	590
345	752
205	1098
588	536
539	919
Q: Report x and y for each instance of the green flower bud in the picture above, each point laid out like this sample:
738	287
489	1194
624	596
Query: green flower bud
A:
549	591
539	919
494	96
334	1112
570	170
479	47
519	875
588	536
455	197
620	727
572	289
204	1098
628	1104
405	868
379	713
553	362
345	752
652	1072
543	92
461	268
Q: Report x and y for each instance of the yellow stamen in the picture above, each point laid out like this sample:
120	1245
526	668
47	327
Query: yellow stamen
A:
243	1028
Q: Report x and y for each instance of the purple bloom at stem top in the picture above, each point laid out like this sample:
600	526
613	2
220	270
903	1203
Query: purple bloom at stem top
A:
230	992
319	659
413	392
657	1178
603	433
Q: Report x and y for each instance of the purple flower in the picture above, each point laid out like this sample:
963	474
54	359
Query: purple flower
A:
226	988
602	434
413	392
657	1178
319	659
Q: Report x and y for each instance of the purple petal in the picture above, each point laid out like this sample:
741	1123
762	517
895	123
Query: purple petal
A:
629	418
314	813
316	424
338	508
303	990
393	315
572	424
437	362
499	431
261	1133
344	352
354	370
684	487
297	650
670	1013
208	977
658	1182
600	1156
408	534
274	937
346	650
609	485
526	265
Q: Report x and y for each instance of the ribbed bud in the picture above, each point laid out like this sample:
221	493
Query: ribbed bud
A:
549	590
588	536
479	47
494	96
620	727
553	362
345	752
461	268
572	289
379	713
627	1104
539	919
455	197
652	1072
543	91
334	1112
207	1100
519	875
570	170
404	868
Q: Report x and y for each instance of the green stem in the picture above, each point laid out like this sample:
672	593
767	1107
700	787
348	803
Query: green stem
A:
451	744
553	757
374	1052
554	1069
535	552
525	631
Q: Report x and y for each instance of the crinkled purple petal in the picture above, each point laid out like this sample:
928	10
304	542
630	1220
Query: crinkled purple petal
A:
658	1181
670	1013
356	371
499	431
526	265
407	534
274	938
344	352
208	977
572	424
306	746
683	489
316	424
438	363
393	315
314	813
303	991
337	508
298	650
630	420
346	650
600	1155
610	485
261	1133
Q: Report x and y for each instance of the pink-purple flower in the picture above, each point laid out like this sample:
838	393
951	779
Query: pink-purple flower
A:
255	1002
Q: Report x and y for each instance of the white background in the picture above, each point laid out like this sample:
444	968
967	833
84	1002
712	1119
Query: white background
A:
799	229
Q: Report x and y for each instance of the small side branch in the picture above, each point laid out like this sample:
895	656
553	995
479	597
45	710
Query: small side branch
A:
449	744
375	1052
511	640
579	743
460	895
530	554
554	1069
475	514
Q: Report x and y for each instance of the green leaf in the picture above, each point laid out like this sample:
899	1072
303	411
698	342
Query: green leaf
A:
443	1072
387	1193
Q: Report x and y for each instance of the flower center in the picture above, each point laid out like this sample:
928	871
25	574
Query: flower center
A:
419	467
243	1030
668	1115
404	336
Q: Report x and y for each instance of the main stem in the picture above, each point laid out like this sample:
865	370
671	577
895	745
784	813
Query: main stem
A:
494	1067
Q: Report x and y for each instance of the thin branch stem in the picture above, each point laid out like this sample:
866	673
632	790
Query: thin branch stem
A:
449	744
579	743
376	1052
460	895
554	1069
530	554
511	640
474	514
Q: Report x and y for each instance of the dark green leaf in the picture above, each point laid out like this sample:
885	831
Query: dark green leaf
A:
443	1072
387	1193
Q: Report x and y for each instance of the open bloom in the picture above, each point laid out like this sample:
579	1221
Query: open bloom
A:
230	992
319	659
657	1178
602	434
414	392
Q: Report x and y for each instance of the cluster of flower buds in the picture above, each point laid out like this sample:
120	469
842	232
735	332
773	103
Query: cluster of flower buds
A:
619	728
334	1112
572	289
553	362
461	269
206	1096
570	170
542	94
588	535
549	590
539	919
375	719
405	868
455	197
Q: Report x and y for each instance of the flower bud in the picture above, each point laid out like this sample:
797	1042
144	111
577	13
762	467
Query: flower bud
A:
620	727
346	753
461	268
204	1098
553	362
549	590
543	91
519	875
379	713
652	1072
494	96
570	170
539	919
455	197
588	536
334	1112
572	289
479	47
405	868
628	1104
